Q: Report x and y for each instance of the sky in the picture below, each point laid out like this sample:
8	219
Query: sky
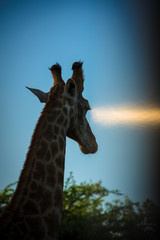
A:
110	37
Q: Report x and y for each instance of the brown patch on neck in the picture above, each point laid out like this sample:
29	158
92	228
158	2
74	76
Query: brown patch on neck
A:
52	220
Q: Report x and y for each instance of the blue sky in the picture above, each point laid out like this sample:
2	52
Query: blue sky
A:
108	37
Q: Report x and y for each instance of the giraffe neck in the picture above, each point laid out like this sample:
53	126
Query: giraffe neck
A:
35	209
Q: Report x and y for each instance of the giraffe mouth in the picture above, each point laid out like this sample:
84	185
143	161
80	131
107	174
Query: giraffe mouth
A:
89	148
87	144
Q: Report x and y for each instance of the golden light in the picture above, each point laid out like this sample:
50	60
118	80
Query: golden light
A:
126	115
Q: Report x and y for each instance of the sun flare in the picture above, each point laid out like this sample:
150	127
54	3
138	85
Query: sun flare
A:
126	115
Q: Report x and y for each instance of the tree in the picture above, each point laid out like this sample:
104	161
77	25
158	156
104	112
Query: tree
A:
83	212
6	195
87	215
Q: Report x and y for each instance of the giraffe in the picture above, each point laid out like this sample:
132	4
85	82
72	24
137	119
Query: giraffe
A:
35	208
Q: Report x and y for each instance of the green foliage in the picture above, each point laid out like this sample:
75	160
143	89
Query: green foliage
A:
82	209
6	195
87	215
83	199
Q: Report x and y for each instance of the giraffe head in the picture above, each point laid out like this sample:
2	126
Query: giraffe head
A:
78	127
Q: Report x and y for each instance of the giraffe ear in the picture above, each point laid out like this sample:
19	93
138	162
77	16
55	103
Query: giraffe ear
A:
70	89
42	96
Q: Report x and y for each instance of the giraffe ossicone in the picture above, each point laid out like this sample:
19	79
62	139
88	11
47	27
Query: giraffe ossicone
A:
35	208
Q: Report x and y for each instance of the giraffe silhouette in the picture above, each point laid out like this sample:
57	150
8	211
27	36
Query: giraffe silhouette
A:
35	208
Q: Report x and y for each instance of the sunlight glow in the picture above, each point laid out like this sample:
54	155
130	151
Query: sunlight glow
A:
126	115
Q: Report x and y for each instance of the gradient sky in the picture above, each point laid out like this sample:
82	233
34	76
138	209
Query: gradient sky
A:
108	37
